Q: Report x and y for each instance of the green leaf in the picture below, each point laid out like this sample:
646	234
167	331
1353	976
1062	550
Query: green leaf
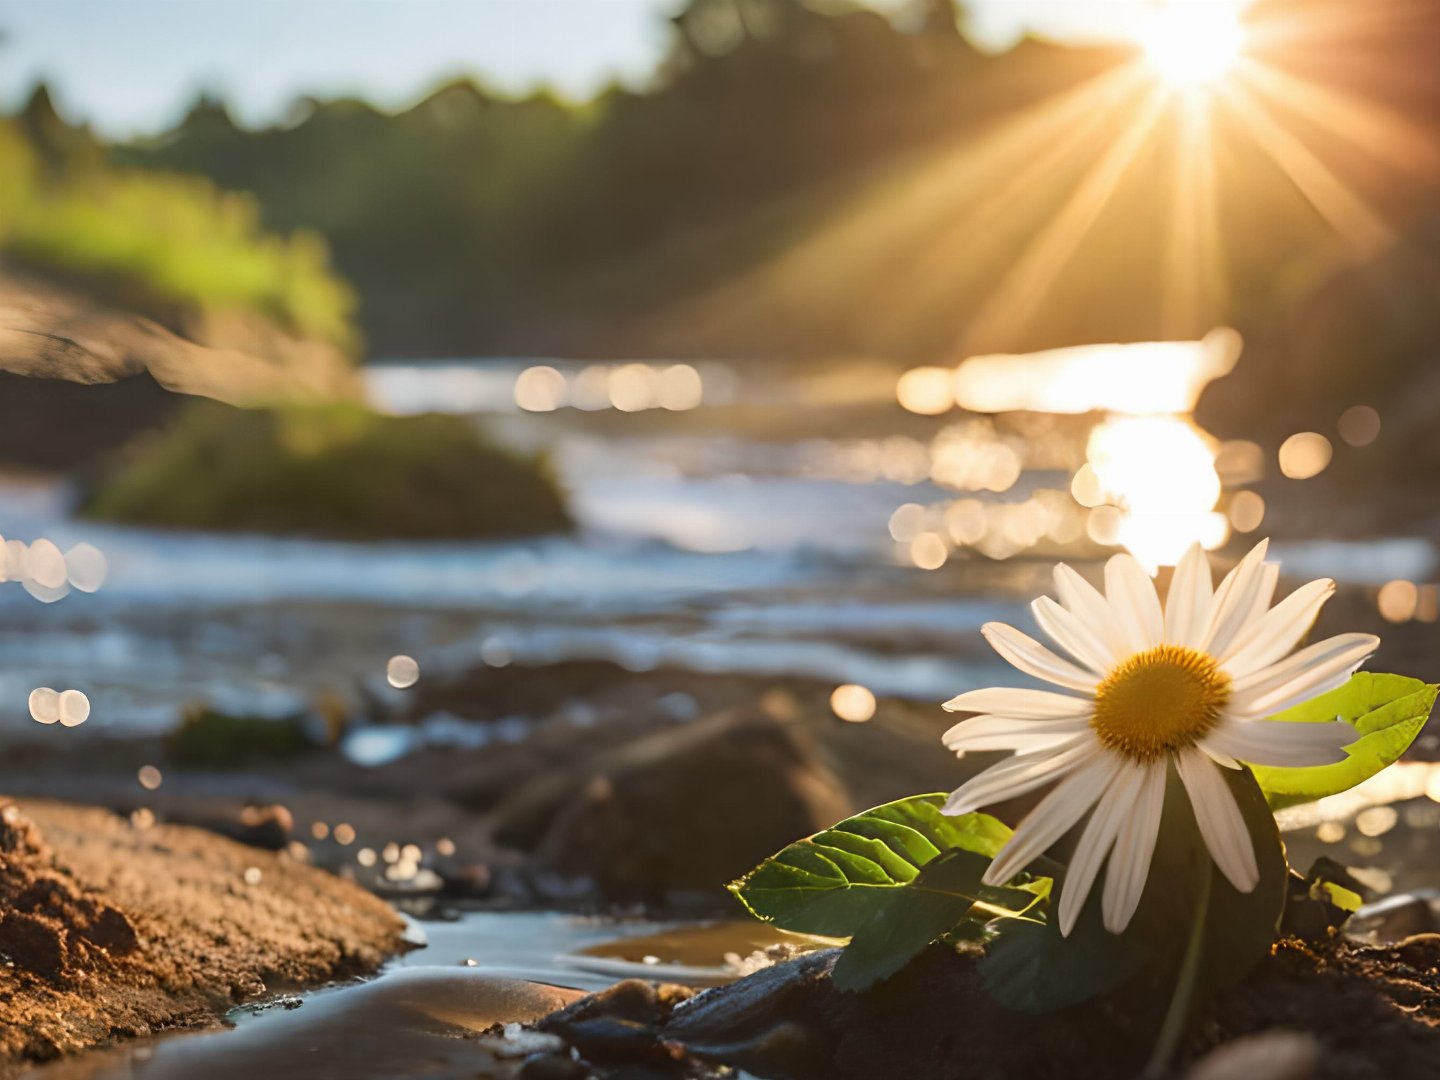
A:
946	892
1032	968
1387	710
1242	927
1344	899
835	882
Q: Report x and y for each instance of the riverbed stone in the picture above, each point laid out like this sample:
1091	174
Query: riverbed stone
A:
694	807
1270	1055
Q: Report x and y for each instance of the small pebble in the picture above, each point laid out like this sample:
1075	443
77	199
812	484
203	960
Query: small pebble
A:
1270	1055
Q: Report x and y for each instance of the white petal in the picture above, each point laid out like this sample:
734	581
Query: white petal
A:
1095	843
1265	595
1053	817
1134	847
1216	756
1072	635
1235	600
1219	818
1027	654
1134	603
1300	676
1281	744
1026	704
1019	776
1011	733
1278	631
1188	606
1087	604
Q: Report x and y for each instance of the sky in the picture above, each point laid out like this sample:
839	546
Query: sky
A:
133	66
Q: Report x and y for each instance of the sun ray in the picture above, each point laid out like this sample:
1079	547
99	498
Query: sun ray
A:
911	222
1022	288
1039	147
1195	284
1345	211
1380	132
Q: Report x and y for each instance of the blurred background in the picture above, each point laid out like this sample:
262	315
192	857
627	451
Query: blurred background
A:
555	451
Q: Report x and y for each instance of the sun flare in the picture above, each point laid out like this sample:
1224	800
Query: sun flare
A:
1193	43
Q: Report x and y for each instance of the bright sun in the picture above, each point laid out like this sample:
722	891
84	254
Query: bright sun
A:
1192	43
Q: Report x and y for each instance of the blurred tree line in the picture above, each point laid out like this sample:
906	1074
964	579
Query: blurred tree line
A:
809	178
473	222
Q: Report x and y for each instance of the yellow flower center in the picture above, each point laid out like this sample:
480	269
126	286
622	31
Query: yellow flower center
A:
1158	701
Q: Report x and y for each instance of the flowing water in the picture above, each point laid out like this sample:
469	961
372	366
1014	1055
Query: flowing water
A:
420	1015
760	525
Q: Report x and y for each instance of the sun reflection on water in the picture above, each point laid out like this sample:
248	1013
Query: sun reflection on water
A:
1140	378
1150	480
1159	472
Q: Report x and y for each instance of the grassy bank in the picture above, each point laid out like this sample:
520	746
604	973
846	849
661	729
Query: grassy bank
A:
159	243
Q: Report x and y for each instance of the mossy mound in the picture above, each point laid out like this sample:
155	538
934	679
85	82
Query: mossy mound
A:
335	470
209	739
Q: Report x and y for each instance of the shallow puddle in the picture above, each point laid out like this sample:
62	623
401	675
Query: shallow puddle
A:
421	1017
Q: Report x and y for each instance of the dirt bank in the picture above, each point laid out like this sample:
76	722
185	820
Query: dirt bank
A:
112	929
102	373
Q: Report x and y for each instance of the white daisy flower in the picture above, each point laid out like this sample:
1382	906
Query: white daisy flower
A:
1190	684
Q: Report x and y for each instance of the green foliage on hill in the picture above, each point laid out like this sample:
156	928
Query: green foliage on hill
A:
476	222
154	241
334	470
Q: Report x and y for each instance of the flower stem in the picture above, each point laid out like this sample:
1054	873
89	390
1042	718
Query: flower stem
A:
1174	1026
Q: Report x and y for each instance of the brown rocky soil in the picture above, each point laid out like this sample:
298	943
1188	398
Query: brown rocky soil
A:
111	930
1363	1012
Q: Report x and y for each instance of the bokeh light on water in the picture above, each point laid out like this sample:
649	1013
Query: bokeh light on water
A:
69	708
1151	481
74	708
44	705
402	672
1304	455
46	573
627	388
540	389
1159	472
1359	425
852	702
928	391
1398	600
1138	379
